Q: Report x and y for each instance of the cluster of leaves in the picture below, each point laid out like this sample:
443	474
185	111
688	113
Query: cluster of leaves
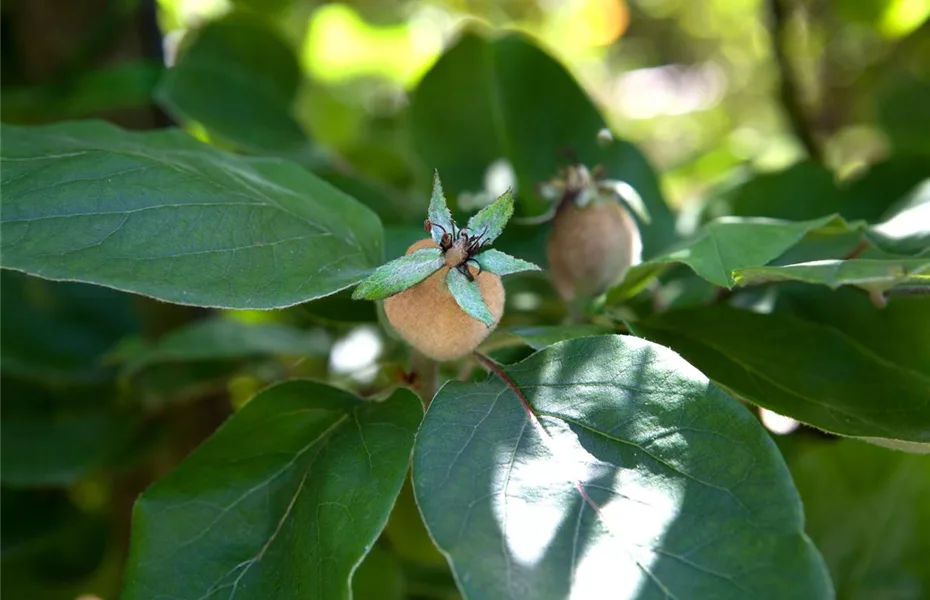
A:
585	461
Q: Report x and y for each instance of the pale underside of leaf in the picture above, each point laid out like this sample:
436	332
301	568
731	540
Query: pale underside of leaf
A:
400	274
869	274
500	263
439	213
467	295
490	221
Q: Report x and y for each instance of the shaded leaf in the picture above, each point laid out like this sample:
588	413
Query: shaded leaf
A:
499	263
240	64
439	213
625	470
865	508
228	338
489	222
484	94
869	274
400	274
725	245
303	470
897	333
468	296
160	214
800	369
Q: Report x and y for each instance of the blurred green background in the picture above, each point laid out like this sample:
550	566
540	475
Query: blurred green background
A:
712	92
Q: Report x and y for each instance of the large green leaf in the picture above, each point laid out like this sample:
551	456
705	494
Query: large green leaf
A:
725	245
489	98
609	463
227	338
870	274
283	501
57	333
868	513
238	79
801	369
163	215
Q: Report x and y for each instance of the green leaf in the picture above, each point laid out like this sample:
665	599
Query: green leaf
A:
869	274
499	263
540	336
238	79
490	221
865	508
897	333
160	214
57	333
468	296
800	369
725	245
227	338
621	468
439	213
400	274
288	496
482	102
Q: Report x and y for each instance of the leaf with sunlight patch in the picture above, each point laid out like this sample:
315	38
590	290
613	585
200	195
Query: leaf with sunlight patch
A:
609	463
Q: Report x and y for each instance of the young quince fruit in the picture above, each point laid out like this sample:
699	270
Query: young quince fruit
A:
445	295
594	238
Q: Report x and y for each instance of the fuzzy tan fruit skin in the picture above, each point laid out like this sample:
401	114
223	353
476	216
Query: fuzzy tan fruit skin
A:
591	248
427	316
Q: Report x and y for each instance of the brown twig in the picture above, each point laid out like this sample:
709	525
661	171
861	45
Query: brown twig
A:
859	249
789	89
497	370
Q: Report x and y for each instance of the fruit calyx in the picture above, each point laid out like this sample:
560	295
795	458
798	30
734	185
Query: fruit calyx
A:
460	249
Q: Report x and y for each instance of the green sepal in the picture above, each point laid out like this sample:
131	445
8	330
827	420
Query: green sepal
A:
627	195
400	274
467	295
439	213
500	263
489	222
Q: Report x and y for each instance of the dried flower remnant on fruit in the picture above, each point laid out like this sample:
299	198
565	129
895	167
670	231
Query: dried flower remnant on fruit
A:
445	295
594	239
